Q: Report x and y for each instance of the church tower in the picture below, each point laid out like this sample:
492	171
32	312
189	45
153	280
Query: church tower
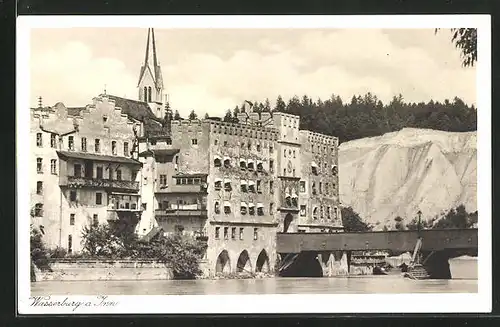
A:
150	85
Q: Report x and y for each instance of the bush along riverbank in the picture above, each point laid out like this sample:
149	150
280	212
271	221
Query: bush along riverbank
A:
102	242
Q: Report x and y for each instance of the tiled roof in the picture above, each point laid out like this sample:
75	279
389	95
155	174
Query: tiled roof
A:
140	111
98	157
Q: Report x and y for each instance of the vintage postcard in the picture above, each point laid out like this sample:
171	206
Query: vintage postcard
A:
244	164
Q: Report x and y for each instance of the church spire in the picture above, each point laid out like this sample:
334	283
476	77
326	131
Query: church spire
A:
151	65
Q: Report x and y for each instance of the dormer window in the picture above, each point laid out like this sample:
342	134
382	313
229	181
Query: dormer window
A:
217	161
227	162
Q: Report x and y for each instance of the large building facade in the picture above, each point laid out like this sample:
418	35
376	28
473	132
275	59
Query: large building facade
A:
232	185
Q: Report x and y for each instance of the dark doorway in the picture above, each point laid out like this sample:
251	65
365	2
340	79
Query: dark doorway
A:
262	264
287	222
223	264
244	264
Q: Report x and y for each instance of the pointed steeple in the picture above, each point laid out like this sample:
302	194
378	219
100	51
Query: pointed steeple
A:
151	64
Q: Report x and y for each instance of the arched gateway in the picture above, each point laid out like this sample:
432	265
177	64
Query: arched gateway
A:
223	264
262	263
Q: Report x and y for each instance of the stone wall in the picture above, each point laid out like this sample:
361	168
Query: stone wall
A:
79	270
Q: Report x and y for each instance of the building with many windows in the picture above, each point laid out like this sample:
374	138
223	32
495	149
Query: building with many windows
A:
83	171
233	185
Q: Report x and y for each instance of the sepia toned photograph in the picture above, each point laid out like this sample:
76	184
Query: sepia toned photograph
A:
174	160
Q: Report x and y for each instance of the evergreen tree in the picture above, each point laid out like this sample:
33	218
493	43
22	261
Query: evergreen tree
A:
207	116
177	116
236	111
280	104
228	117
267	106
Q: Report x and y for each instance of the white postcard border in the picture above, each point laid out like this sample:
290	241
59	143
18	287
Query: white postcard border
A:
289	303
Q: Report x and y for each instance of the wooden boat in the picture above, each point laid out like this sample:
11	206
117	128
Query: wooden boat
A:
377	270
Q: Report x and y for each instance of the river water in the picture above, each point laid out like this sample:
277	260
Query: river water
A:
464	280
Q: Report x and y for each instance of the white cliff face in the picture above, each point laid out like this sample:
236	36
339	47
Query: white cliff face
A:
399	173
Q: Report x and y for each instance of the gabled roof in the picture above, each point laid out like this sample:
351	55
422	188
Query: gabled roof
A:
140	111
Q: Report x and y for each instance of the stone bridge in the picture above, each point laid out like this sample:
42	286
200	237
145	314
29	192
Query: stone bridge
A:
334	249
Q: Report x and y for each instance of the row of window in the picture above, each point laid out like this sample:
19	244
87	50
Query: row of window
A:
71	144
244	164
39	166
245	208
315	168
317	149
246	133
78	171
245	186
248	146
233	233
320	212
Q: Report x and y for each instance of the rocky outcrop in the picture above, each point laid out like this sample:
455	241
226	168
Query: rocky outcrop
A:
399	173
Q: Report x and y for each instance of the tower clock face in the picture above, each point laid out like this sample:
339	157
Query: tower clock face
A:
289	166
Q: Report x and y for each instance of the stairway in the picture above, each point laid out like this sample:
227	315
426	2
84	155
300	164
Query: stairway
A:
417	272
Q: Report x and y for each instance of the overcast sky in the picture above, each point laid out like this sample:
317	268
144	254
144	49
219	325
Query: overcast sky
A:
213	70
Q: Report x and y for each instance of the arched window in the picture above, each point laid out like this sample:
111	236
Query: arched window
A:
315	213
217	207
149	94
145	94
217	161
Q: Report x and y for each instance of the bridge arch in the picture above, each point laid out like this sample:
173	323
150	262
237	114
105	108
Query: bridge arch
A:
262	263
244	264
223	263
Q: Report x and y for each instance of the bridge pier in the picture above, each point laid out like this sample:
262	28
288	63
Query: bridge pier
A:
333	263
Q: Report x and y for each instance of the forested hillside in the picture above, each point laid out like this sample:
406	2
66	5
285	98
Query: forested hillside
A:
366	116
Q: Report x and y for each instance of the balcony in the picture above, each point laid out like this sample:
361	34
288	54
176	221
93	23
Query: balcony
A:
193	188
78	182
193	210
